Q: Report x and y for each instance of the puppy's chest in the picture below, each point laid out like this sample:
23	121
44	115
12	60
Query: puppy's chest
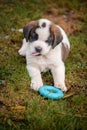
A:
43	63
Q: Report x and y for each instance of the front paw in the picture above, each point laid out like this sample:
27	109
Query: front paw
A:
61	86
36	85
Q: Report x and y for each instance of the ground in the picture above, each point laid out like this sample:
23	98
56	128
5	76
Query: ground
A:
22	108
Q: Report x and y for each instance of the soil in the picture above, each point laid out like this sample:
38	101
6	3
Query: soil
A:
69	21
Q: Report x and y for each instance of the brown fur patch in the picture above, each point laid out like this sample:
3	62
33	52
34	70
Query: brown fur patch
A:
44	25
65	52
56	34
31	26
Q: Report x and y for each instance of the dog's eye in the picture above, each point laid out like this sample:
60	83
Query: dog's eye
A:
49	40
33	37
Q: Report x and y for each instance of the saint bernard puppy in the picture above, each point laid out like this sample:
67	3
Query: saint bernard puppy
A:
46	47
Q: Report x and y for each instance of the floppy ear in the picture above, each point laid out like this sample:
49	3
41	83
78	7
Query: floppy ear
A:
27	28
56	35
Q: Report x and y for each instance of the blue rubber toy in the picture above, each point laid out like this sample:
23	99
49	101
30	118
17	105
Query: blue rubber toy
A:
51	92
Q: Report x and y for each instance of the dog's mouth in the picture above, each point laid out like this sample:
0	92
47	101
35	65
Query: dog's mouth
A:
35	54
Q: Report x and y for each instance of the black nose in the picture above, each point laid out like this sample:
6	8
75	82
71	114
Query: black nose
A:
38	49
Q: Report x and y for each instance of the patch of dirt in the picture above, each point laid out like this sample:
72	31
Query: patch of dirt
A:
70	21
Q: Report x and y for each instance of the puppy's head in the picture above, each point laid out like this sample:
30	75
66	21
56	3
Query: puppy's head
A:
42	36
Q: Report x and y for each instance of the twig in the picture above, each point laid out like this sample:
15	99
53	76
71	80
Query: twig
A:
18	107
69	95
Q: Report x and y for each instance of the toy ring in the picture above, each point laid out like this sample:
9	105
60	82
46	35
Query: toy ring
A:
51	92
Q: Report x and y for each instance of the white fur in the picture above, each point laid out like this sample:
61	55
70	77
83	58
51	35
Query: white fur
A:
43	32
50	58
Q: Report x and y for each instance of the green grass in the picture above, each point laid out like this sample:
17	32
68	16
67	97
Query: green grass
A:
22	108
